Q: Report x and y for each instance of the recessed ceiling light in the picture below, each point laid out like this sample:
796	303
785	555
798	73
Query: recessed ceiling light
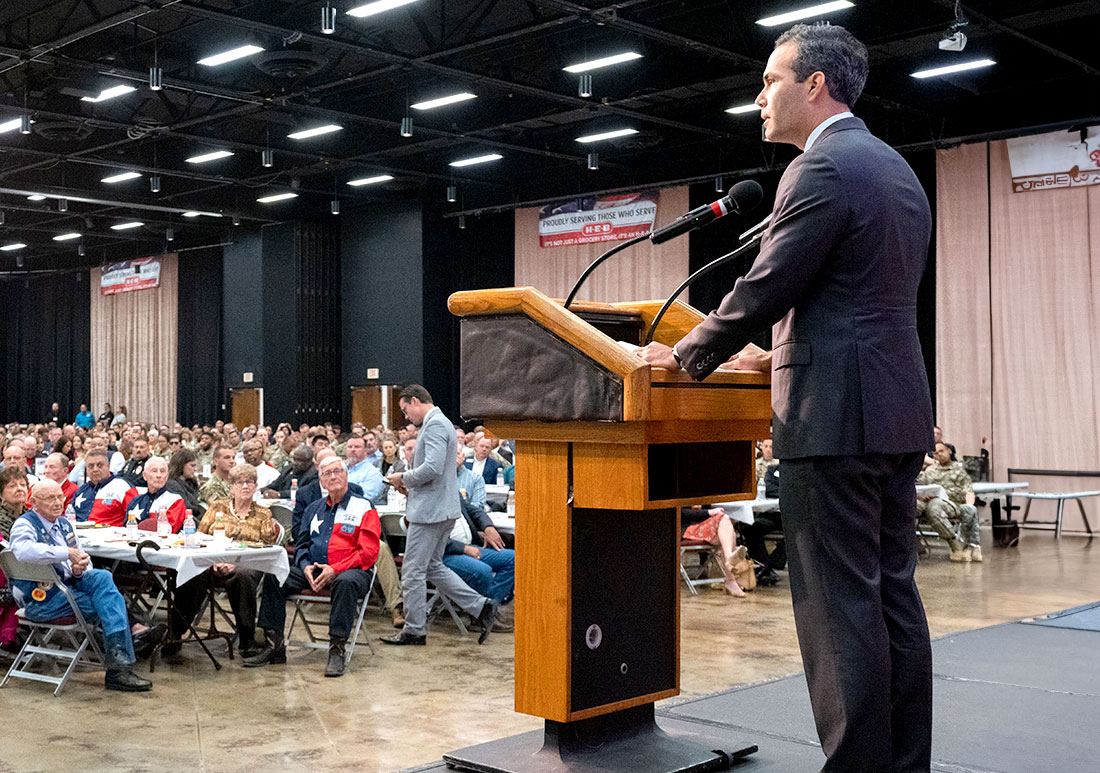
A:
607	135
606	61
36	197
213	156
15	246
230	55
370	180
379	6
277	197
117	178
441	101
477	160
111	93
953	68
66	237
738	109
126	226
805	13
12	125
316	130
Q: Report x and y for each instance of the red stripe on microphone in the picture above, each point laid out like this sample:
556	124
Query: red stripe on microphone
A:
718	208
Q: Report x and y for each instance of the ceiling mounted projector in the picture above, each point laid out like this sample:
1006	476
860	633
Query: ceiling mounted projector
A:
953	41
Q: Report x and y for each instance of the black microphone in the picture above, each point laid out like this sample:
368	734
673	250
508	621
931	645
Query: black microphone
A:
742	197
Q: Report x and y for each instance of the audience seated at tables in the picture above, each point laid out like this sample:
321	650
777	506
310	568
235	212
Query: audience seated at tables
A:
713	526
183	469
96	442
958	508
335	553
481	463
301	468
217	486
134	469
105	497
388	576
253	452
43	536
362	471
145	507
477	554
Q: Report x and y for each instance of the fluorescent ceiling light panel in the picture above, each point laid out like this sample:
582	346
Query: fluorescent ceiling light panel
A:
606	61
607	135
231	55
379	6
191	214
12	125
430	103
111	93
117	178
196	213
126	226
36	197
213	156
315	131
738	109
477	160
370	180
805	13
277	197
15	246
66	237
960	67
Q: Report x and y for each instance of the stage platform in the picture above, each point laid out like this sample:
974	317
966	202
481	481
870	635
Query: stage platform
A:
1021	696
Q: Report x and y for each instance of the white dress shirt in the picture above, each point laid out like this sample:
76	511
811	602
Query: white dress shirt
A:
823	126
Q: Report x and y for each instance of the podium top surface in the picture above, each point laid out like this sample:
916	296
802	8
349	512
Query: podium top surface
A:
524	356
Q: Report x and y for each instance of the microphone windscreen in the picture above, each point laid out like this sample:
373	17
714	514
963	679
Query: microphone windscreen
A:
746	195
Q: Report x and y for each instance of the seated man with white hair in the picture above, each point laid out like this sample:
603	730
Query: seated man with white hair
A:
157	497
15	456
56	469
338	544
42	536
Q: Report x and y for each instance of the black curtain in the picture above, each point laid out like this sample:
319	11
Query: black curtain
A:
199	356
45	354
318	396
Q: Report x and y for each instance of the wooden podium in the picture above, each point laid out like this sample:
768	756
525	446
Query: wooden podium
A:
607	450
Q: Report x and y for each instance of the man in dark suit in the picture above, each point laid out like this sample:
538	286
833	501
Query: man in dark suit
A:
481	463
837	274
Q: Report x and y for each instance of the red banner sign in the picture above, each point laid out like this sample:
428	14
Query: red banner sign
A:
590	219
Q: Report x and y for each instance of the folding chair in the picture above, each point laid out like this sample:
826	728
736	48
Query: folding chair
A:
307	598
437	603
46	639
705	549
283	516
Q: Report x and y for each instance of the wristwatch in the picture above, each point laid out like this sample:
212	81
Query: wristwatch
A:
676	356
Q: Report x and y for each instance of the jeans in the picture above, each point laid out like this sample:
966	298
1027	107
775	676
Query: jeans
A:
493	575
345	591
99	600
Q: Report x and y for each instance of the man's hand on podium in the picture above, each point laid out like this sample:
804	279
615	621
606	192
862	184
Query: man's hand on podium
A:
659	356
749	358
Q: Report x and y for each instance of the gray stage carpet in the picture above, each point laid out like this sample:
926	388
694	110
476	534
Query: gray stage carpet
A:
1084	618
1013	698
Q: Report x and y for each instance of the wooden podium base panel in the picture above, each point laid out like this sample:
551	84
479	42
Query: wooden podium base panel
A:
628	740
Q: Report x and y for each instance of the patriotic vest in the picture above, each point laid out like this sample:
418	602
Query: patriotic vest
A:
40	592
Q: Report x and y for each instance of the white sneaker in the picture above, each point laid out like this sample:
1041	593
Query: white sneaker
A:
961	555
975	553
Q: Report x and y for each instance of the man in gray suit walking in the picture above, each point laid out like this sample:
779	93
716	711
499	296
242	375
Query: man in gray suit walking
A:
433	505
837	275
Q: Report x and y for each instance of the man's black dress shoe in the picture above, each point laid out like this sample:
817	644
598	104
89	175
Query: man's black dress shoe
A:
402	639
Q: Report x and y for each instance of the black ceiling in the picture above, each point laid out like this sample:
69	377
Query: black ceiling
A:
699	57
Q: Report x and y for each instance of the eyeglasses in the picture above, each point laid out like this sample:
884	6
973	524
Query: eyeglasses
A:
243	483
334	471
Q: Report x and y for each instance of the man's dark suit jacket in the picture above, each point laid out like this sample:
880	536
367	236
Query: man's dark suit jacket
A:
489	472
838	271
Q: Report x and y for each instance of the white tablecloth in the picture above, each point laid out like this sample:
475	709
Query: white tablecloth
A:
742	510
188	563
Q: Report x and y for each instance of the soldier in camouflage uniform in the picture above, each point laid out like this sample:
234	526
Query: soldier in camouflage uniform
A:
765	460
943	513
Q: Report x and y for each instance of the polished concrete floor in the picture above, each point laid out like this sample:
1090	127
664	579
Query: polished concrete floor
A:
406	706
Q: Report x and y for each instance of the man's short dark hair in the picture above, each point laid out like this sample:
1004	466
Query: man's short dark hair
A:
317	436
417	391
92	453
835	52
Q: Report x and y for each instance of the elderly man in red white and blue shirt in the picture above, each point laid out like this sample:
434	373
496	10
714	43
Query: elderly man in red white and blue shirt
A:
336	547
157	497
105	497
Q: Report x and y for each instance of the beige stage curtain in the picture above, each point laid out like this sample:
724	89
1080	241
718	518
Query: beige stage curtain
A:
134	348
642	272
1043	336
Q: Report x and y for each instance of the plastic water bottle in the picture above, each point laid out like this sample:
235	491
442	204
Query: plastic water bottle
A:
219	532
500	477
293	490
131	526
164	529
70	514
190	539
